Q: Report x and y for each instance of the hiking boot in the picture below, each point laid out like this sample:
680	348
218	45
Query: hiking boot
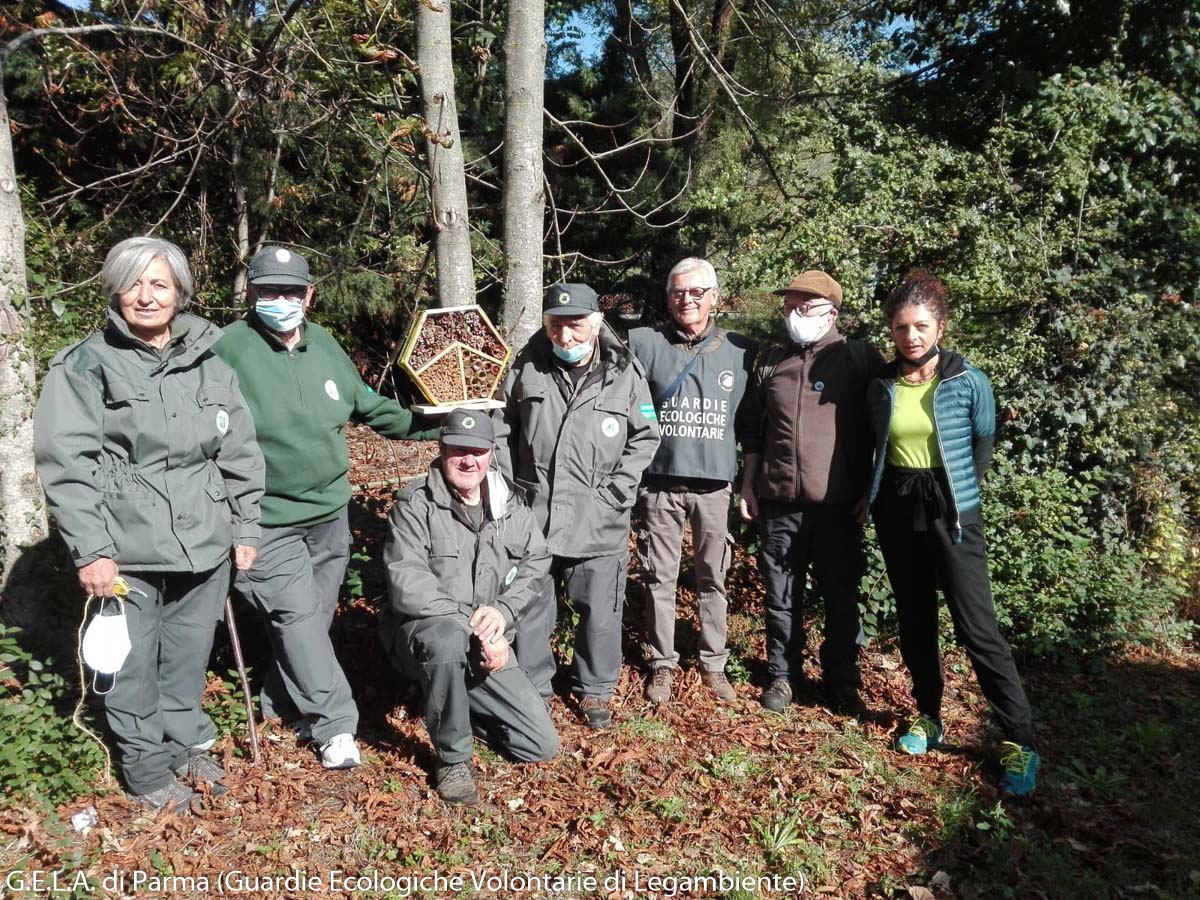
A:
658	685
845	701
455	783
923	733
202	767
777	696
173	796
1021	764
719	685
340	752
596	713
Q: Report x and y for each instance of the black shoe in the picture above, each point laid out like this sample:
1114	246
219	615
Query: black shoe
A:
455	784
778	695
845	701
596	713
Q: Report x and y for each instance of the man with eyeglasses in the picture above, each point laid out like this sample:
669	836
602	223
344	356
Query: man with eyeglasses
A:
807	444
698	373
302	390
576	431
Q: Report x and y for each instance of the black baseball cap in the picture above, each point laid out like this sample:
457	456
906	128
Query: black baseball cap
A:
468	428
570	299
278	265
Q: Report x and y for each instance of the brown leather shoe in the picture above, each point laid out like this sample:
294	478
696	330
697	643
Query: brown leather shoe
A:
719	685
658	685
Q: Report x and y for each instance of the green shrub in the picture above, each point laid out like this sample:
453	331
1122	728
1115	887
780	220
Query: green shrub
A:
43	757
1058	581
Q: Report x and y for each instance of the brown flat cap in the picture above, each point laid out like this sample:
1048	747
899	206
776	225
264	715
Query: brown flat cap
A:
816	283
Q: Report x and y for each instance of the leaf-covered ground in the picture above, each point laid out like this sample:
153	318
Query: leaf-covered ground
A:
696	789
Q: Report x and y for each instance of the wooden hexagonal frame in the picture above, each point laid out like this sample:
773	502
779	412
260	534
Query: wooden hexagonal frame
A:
456	357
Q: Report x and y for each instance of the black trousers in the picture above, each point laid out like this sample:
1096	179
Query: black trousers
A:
829	539
918	562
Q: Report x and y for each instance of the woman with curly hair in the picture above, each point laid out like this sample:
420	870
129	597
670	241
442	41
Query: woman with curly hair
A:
934	419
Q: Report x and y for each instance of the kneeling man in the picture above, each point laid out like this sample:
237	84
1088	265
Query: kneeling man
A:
464	559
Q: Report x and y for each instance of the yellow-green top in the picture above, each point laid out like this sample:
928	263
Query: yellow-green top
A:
912	443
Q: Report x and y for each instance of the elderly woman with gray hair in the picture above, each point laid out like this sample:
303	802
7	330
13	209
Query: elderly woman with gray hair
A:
149	461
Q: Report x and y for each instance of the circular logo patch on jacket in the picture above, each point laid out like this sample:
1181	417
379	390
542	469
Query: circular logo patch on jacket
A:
725	380
512	573
331	389
610	426
222	421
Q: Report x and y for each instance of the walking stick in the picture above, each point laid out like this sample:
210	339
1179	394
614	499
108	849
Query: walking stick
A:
231	625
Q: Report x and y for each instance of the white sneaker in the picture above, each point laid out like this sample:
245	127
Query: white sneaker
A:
340	752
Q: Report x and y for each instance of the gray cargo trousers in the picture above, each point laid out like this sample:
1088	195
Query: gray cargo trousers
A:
153	709
664	513
295	582
461	699
596	590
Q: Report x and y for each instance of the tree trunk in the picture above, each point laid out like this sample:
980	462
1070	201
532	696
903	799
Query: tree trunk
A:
687	72
22	507
241	215
524	199
448	180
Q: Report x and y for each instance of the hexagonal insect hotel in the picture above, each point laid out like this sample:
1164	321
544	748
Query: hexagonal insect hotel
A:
456	357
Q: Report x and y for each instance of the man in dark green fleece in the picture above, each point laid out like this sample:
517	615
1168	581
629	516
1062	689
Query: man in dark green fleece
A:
302	390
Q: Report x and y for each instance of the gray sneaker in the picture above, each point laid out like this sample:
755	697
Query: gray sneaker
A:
173	796
658	685
455	784
778	695
201	767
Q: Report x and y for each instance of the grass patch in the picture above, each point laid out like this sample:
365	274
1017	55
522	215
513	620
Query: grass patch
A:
655	731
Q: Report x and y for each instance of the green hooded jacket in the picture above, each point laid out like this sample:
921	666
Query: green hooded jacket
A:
148	457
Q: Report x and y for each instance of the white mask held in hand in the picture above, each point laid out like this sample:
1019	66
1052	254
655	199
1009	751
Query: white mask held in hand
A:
105	646
806	329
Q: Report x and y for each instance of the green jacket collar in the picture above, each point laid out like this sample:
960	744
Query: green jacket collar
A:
190	336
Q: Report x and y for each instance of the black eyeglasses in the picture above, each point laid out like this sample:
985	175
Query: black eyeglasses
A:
268	292
695	293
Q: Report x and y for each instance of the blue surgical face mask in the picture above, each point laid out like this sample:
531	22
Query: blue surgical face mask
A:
574	354
280	315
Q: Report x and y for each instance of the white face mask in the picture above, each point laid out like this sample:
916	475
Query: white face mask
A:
105	645
806	329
